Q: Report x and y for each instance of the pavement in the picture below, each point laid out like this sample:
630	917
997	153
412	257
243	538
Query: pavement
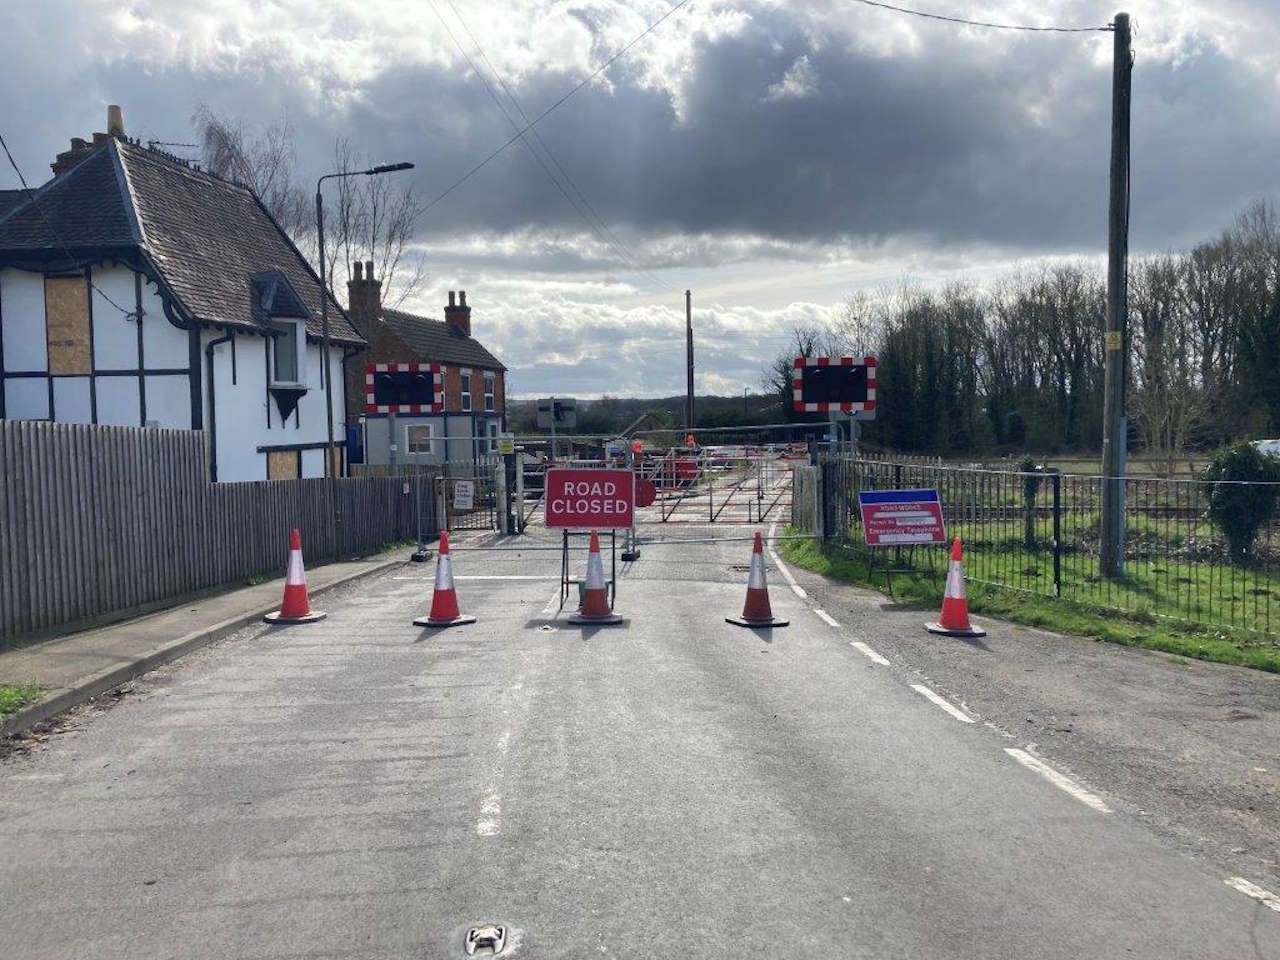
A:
674	787
75	667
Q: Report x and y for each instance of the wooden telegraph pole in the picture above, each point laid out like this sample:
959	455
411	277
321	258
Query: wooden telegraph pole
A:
688	359
1114	427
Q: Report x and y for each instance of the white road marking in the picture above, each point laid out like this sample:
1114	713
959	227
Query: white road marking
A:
490	822
501	576
933	698
1264	897
1058	780
782	567
827	618
553	605
866	651
489	825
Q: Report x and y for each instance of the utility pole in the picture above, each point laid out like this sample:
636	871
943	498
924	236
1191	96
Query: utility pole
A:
688	351
1114	427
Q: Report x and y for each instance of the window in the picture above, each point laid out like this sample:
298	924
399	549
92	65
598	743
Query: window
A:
466	391
493	437
285	347
488	391
420	439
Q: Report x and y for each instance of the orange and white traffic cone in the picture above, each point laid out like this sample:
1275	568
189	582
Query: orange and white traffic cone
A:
296	607
954	621
444	601
756	612
595	604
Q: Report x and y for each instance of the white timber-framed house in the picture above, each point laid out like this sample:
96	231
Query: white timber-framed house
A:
136	289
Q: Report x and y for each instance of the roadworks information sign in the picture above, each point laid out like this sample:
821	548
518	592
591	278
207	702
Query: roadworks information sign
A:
892	518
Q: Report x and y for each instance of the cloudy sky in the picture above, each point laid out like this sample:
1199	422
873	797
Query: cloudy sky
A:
772	156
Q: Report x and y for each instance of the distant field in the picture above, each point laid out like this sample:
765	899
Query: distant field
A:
1079	465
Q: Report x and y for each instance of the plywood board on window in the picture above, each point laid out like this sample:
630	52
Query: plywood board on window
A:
66	311
283	464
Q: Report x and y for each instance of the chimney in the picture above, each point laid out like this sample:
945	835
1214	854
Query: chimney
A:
115	122
80	148
364	297
458	315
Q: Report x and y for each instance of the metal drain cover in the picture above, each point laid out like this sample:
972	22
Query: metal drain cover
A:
487	940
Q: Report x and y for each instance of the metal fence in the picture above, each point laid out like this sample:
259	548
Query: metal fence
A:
102	522
1039	533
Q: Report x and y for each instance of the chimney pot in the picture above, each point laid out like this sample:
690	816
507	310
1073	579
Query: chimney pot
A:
368	269
358	269
457	314
115	121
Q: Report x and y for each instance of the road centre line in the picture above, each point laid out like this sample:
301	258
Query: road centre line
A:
866	651
1060	781
933	698
1265	897
827	618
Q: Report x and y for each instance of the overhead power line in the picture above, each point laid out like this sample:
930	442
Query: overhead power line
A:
982	23
582	206
547	112
128	314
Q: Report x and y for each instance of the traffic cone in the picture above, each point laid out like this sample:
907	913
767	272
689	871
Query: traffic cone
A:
954	621
444	601
756	612
295	607
595	604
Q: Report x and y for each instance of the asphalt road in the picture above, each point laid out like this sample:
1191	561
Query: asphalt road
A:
675	787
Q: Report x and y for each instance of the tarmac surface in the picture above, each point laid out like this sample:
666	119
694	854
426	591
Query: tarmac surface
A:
673	787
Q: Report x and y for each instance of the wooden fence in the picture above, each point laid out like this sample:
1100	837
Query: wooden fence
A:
98	523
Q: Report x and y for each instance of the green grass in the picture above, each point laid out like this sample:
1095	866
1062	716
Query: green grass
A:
1135	629
15	696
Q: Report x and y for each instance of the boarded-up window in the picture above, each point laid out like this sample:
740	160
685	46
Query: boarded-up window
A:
66	312
283	464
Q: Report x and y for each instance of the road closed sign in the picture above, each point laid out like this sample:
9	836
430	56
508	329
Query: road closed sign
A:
892	518
590	499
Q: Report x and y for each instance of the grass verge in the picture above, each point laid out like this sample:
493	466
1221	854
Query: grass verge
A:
15	696
1238	648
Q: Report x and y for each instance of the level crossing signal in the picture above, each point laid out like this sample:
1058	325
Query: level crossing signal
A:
831	384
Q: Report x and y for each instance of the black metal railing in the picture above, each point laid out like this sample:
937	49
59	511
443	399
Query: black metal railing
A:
1038	532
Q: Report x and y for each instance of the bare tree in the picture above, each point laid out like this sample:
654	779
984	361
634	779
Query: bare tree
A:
1167	402
373	218
263	160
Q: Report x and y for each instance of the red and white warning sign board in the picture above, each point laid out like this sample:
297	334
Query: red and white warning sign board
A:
893	518
834	385
590	498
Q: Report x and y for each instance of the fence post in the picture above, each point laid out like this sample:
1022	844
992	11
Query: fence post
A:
1057	533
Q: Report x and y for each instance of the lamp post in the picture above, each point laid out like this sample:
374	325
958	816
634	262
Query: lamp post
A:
326	371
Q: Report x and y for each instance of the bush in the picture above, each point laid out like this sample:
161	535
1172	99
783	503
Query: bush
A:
1239	509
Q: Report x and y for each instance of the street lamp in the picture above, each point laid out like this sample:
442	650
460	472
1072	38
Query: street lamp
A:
324	298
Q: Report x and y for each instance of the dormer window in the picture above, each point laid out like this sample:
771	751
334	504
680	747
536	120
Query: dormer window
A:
285	352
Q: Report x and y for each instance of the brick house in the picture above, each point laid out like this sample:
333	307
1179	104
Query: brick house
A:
425	391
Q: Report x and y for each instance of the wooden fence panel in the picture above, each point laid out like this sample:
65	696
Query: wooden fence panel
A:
100	522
